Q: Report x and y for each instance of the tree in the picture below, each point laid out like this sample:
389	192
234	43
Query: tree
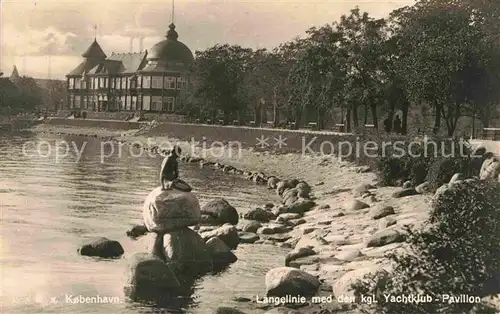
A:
448	63
220	73
20	97
54	95
362	40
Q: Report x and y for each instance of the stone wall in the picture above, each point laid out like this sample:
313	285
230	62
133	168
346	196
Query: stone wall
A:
122	115
112	125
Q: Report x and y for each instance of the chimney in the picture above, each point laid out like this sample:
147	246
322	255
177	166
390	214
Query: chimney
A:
141	44
131	44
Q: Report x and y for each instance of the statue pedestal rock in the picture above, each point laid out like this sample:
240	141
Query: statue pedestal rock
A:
176	254
170	210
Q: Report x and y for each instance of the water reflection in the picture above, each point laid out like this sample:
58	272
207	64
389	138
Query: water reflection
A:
50	206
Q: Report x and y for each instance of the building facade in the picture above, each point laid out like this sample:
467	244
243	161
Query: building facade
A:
143	81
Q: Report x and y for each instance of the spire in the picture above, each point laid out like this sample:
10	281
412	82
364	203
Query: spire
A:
95	32
172	34
94	51
15	73
173	12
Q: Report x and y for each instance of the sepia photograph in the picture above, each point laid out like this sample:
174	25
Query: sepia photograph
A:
250	156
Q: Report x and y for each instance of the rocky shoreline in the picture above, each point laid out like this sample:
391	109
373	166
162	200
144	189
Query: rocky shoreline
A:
337	233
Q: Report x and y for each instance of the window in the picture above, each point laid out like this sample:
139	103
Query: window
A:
84	102
133	82
128	103
139	102
121	101
123	83
157	82
169	104
182	83
84	84
169	82
95	81
146	103
77	83
146	82
156	103
71	83
105	79
71	101
77	102
133	103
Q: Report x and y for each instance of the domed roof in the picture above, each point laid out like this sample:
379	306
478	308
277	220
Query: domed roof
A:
171	49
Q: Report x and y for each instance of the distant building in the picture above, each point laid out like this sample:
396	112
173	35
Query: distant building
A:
14	77
143	81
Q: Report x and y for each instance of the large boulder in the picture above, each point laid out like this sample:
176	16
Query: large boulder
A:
221	211
170	210
354	205
272	182
221	254
137	231
187	251
147	274
380	211
290	196
251	226
283	281
227	233
385	237
304	189
404	193
343	285
490	170
362	189
298	253
282	186
423	187
457	177
101	247
259	214
300	206
248	237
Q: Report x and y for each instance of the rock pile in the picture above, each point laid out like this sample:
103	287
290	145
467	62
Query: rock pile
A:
176	253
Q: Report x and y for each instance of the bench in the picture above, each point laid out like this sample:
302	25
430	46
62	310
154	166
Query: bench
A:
312	125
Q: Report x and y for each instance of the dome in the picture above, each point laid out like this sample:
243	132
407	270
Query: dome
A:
171	50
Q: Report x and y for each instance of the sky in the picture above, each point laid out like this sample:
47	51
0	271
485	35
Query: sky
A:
45	38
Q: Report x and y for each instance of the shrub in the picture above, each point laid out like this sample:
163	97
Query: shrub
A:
390	170
423	161
459	253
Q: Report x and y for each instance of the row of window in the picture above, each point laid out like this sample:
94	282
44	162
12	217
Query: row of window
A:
156	82
153	103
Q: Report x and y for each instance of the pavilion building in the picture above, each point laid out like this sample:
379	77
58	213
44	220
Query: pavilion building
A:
143	81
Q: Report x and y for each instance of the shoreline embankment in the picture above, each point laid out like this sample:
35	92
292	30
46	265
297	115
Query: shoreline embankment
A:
344	236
